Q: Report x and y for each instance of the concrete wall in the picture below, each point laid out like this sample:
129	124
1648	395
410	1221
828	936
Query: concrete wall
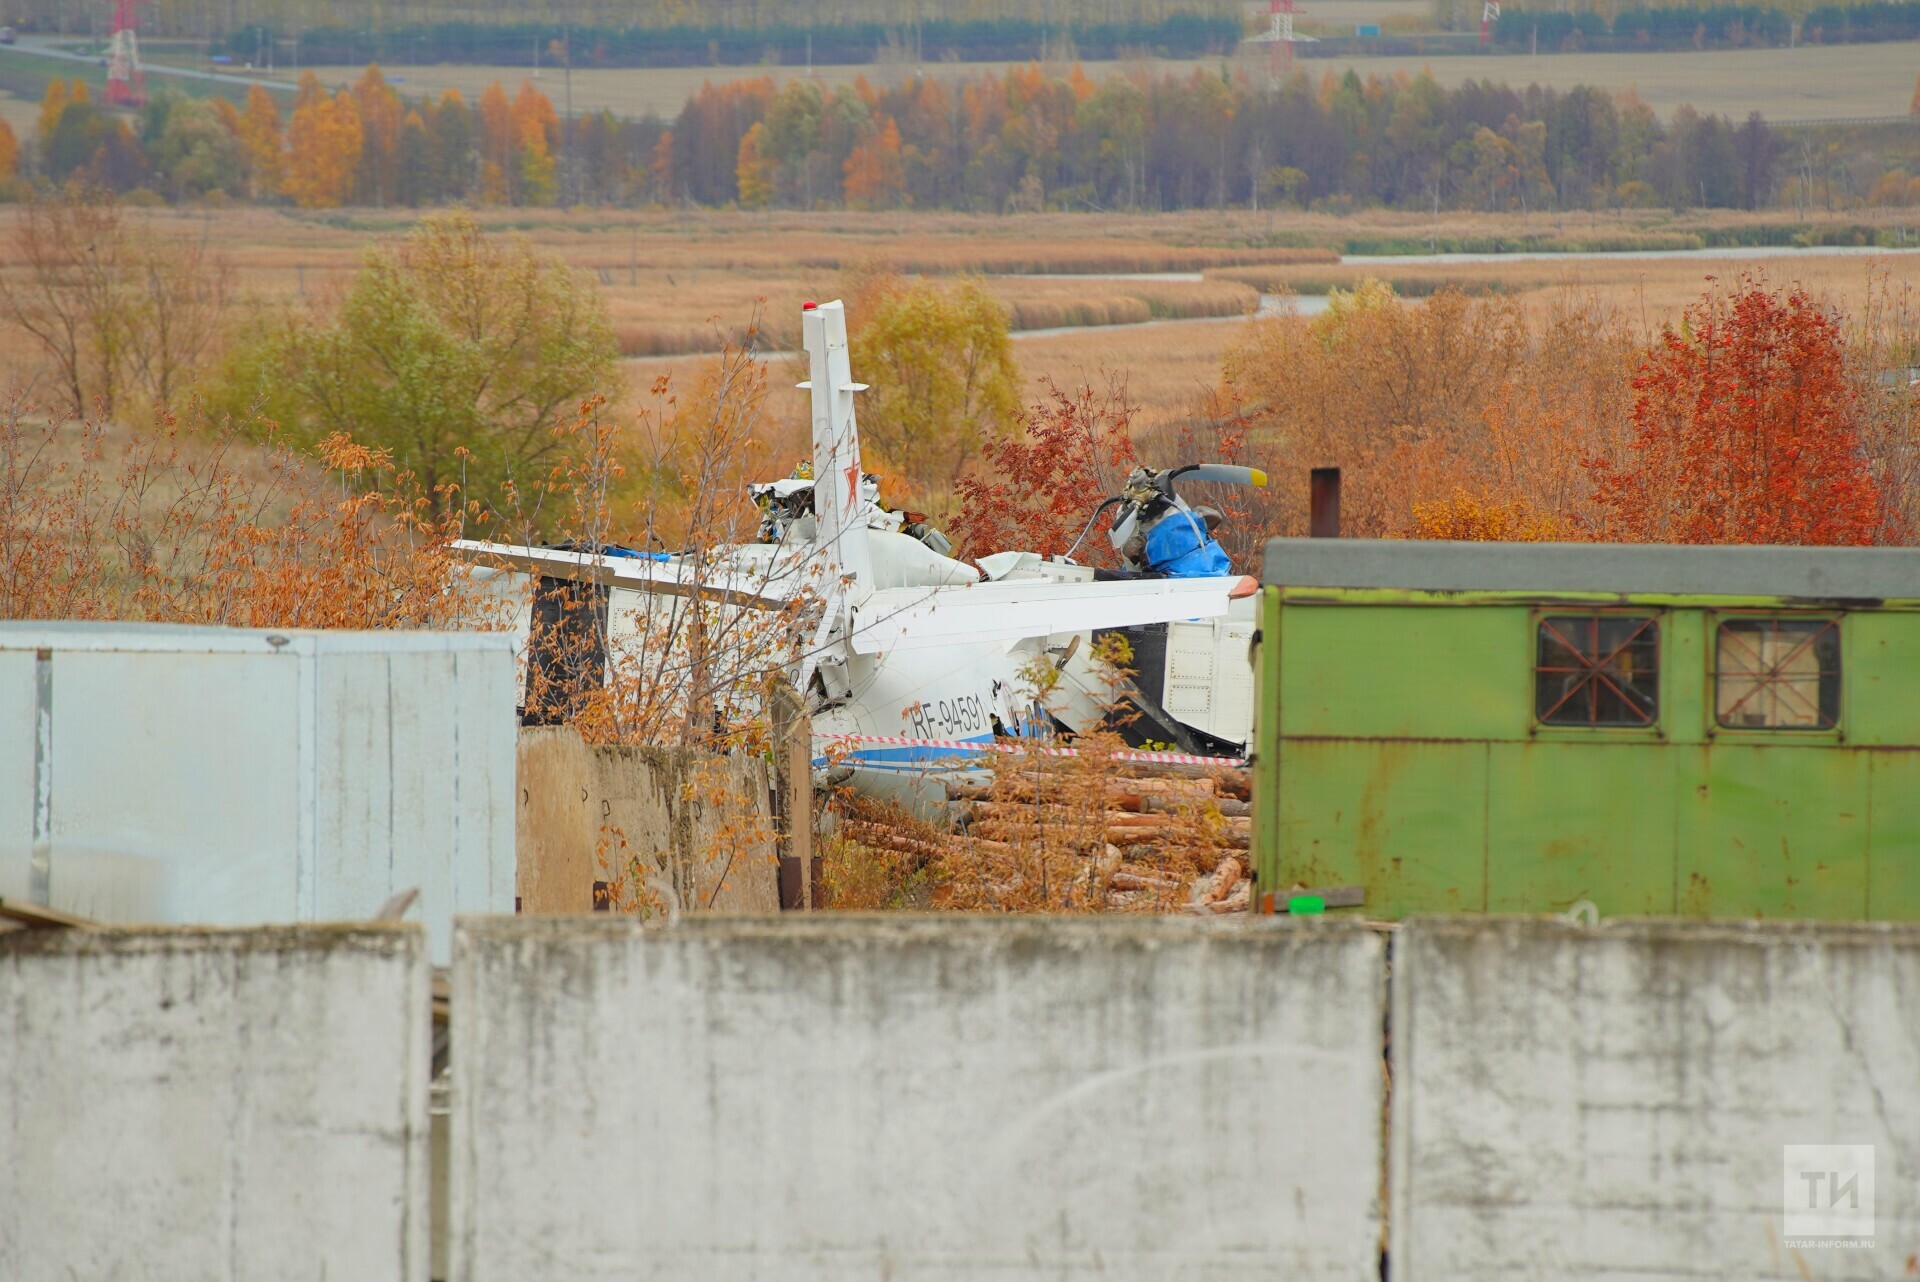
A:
896	1098
700	824
1614	1101
220	1106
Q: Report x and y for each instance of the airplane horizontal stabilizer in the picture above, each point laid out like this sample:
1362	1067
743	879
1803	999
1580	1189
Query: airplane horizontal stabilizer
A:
636	573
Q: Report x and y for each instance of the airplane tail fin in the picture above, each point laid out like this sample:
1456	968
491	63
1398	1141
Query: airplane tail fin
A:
840	525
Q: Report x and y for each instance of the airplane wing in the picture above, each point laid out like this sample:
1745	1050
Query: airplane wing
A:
640	574
909	618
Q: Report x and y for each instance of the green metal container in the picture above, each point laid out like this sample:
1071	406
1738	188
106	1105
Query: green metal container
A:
1513	728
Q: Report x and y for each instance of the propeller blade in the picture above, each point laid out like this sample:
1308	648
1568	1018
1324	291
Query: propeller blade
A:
1224	473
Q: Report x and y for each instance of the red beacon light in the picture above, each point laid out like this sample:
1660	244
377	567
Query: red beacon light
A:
808	306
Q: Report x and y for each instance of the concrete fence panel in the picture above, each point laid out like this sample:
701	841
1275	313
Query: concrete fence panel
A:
1618	1101
910	1098
690	831
224	1106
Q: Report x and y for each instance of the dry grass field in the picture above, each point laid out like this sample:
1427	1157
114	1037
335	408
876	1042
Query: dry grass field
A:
1812	82
677	283
18	113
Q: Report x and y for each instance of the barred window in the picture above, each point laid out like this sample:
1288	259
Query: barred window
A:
1778	673
1597	670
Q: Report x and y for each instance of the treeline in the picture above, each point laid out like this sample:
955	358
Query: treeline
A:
529	44
1033	140
198	21
1028	140
1712	27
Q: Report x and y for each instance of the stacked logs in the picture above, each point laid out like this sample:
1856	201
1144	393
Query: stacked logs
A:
1154	836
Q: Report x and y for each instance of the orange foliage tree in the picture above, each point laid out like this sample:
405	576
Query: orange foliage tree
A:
495	113
535	127
380	118
1418	402
9	151
874	170
1037	487
260	134
1473	518
324	141
1745	431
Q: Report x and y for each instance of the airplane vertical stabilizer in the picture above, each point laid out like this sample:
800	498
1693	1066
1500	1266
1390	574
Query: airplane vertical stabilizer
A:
840	524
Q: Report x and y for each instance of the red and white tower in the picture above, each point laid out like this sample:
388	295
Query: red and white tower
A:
126	83
1279	37
1489	14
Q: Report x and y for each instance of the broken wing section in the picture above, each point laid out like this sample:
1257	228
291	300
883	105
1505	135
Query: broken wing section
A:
897	619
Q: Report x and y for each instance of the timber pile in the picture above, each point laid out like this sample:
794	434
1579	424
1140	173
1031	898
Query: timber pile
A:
1141	836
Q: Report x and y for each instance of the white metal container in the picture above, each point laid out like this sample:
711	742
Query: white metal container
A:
230	776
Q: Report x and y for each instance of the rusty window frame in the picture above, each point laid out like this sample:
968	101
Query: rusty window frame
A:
1587	674
1771	681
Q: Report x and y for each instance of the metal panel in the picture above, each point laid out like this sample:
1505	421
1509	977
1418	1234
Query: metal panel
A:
1880	679
1893	845
485	762
1405	820
1776	831
173	786
1208	682
415	785
357	814
1406	672
1572	821
231	776
17	739
1860	574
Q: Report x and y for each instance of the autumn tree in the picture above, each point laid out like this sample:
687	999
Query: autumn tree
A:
377	179
1745	431
260	135
875	174
53	104
1387	391
535	127
112	307
941	364
457	352
323	147
1038	484
450	172
64	293
496	144
9	152
1467	517
192	149
754	170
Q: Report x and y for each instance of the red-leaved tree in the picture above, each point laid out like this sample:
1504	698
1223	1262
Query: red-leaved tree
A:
1034	491
1745	431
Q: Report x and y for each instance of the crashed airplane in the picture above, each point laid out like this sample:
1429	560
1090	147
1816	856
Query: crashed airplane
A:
913	661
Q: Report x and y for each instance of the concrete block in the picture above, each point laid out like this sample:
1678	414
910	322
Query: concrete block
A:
906	1098
692	831
1614	1101
220	1106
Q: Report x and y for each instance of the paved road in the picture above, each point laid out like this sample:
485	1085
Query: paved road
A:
47	47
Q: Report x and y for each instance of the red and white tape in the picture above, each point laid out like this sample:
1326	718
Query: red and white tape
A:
974	745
